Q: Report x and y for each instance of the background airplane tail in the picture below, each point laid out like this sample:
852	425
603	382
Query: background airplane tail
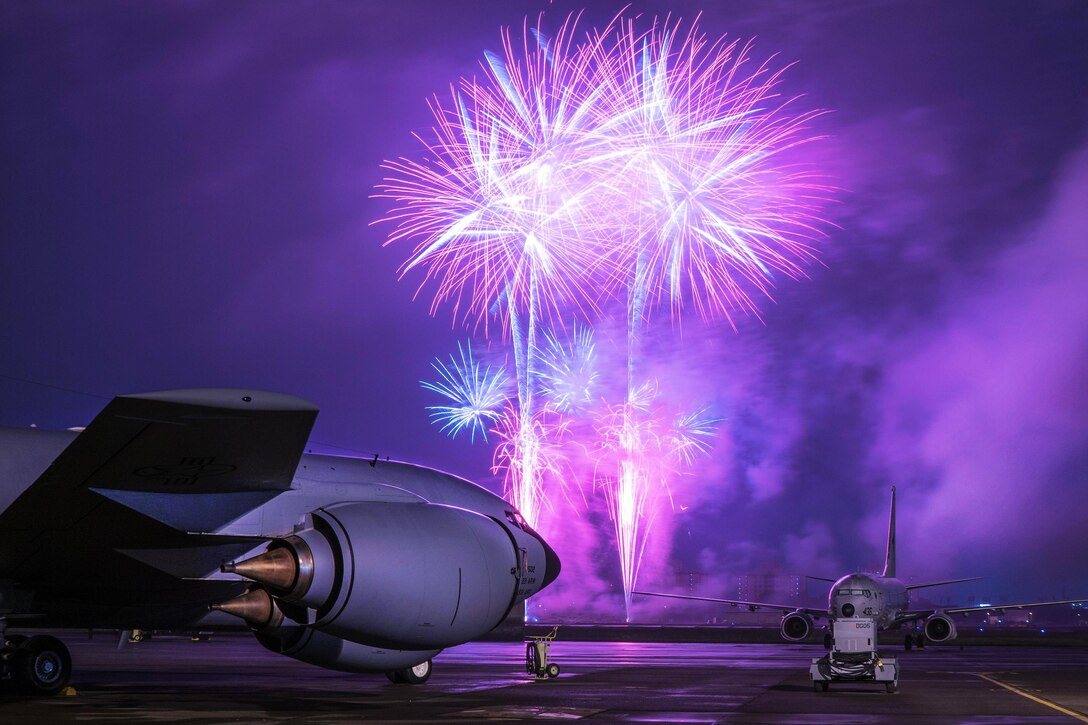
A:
889	559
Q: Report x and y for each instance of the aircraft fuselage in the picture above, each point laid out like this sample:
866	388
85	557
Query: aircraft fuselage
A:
872	597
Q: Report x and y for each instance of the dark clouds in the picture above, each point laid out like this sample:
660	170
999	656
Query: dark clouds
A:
185	202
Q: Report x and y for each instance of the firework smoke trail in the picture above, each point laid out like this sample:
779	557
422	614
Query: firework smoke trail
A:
701	143
477	393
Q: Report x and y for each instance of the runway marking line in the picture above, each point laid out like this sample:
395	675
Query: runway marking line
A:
1040	700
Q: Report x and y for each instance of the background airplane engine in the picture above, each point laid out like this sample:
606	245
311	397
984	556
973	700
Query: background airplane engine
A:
796	626
940	628
396	574
324	650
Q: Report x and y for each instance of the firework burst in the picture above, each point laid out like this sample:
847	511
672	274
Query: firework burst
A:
569	374
476	392
703	141
656	166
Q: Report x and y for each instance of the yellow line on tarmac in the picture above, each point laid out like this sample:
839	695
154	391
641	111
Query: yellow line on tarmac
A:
1041	701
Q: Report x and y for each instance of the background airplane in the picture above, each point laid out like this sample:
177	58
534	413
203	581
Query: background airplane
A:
172	510
882	598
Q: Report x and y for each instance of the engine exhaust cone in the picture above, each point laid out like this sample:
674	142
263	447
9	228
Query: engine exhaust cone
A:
277	568
256	607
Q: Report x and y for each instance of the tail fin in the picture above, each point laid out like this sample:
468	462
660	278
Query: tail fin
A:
889	560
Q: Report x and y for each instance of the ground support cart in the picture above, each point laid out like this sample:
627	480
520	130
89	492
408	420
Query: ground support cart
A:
537	650
853	658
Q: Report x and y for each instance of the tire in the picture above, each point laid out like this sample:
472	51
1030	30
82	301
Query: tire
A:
552	670
920	641
416	675
890	687
827	641
41	666
908	643
394	677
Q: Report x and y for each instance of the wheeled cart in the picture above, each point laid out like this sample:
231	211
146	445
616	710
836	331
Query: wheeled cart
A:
853	658
537	650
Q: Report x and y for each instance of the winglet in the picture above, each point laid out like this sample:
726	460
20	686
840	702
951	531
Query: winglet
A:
889	559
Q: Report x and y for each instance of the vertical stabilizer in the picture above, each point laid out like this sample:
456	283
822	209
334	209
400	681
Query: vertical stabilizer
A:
889	559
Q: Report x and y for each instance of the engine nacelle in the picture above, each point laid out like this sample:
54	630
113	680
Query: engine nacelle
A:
324	650
940	628
796	626
399	575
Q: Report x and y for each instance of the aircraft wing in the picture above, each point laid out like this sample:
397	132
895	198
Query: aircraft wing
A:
786	608
149	470
941	584
905	617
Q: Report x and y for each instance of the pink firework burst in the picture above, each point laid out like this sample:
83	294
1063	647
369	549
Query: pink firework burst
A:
499	206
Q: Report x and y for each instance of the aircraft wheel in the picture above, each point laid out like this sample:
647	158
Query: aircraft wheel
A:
41	666
920	641
415	675
827	641
552	670
394	677
908	642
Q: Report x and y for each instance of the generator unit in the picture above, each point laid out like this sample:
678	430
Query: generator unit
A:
853	657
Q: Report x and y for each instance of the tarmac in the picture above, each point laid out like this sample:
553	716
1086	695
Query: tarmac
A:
230	678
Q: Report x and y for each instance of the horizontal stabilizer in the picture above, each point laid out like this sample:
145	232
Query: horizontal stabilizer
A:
196	562
190	512
148	469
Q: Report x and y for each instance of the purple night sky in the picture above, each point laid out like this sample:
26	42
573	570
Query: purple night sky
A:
186	202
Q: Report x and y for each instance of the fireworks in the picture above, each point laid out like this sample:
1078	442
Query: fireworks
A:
477	393
569	377
644	167
719	210
637	452
692	435
534	450
497	204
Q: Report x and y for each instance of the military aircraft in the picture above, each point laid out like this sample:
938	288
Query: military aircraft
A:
176	509
880	597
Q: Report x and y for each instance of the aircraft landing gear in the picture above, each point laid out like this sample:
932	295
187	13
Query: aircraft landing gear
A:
38	665
914	640
411	675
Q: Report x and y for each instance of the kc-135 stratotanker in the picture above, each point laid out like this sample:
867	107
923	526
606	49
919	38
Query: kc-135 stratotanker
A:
177	509
879	597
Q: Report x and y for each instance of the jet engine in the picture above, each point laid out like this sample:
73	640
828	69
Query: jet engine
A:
796	626
940	628
360	572
317	648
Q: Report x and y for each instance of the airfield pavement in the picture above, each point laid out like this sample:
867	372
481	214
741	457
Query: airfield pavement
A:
230	678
